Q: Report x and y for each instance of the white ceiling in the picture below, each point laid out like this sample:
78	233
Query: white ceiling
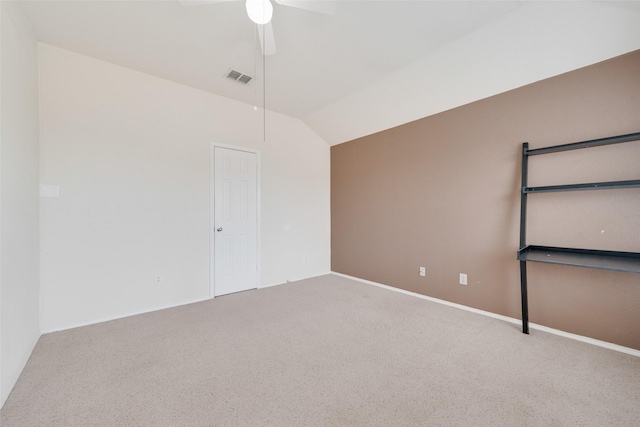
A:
326	66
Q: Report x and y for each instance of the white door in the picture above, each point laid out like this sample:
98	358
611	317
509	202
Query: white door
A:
235	221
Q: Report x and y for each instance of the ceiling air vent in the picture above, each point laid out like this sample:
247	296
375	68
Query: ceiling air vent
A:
239	77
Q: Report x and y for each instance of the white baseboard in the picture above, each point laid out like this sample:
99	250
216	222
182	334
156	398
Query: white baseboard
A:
271	285
110	318
122	316
10	379
294	280
608	345
535	326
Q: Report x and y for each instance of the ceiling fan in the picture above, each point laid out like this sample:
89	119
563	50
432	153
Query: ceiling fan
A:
261	11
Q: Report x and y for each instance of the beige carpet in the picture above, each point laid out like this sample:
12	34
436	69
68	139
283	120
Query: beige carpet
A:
326	351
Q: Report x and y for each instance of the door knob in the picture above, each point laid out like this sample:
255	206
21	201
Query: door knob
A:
219	229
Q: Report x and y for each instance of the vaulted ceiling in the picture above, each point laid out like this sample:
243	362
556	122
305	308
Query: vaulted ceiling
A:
370	66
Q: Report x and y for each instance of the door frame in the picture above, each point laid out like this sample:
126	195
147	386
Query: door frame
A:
212	200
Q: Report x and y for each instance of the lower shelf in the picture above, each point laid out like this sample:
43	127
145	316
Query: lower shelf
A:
604	260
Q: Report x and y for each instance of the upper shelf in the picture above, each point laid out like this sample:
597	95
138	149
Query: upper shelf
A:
604	260
584	144
634	183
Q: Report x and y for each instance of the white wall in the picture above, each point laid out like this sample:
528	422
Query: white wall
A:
19	272
536	41
130	154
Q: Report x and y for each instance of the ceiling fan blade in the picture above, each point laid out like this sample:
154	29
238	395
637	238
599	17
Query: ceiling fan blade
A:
201	2
267	40
327	7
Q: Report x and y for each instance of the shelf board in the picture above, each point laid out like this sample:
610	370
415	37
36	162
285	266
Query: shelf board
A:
609	185
584	144
604	260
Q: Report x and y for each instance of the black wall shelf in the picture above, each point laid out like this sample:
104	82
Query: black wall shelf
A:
611	185
605	260
590	258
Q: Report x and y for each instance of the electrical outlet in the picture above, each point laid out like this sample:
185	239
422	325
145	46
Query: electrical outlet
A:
158	279
463	279
423	271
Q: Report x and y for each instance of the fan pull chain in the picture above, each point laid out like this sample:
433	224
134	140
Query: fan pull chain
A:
264	89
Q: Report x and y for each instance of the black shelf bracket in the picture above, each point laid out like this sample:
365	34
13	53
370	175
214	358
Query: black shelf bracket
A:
523	239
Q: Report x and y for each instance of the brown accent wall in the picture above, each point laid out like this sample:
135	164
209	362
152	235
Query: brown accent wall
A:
443	192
